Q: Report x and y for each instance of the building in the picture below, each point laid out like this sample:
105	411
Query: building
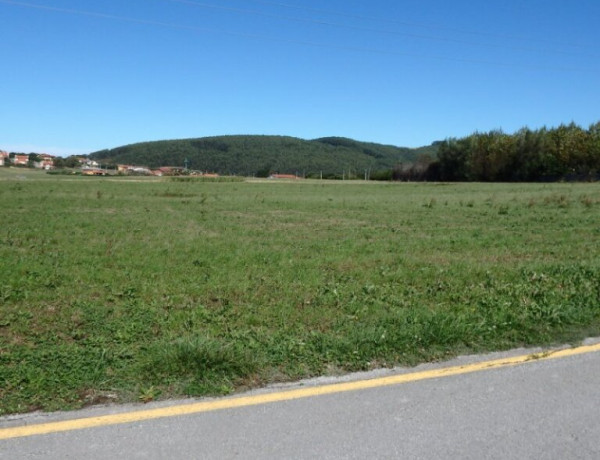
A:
86	162
136	170
88	171
168	171
20	159
3	157
45	161
124	169
283	176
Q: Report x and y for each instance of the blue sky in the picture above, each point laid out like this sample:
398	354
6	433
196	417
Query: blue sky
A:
82	75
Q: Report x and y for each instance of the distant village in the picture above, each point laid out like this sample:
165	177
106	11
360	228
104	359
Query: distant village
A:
87	167
32	160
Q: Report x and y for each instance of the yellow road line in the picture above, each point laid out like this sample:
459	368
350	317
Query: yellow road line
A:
229	403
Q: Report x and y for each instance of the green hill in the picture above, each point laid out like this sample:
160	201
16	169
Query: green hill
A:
260	155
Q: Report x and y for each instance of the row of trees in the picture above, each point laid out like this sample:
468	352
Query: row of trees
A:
566	152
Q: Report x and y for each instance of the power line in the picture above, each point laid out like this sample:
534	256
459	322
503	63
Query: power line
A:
89	13
369	29
284	40
422	25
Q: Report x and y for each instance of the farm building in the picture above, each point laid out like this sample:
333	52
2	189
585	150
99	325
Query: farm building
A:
283	176
93	172
131	169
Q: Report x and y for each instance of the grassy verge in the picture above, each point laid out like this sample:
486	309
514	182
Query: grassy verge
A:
120	290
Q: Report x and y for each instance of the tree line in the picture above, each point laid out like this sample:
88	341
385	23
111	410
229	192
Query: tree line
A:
567	152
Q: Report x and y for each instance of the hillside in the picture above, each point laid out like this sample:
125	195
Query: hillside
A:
259	155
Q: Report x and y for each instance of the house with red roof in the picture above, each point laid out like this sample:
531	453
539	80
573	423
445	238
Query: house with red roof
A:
283	176
20	159
45	161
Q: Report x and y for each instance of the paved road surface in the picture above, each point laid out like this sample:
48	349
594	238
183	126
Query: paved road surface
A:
539	409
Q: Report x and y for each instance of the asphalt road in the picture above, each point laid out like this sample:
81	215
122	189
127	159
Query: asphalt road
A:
536	409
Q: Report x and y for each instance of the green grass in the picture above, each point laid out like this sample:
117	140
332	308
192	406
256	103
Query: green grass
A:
118	289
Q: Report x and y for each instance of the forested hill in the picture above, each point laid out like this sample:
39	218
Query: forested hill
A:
261	155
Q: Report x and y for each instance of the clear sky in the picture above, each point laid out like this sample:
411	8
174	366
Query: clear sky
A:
81	75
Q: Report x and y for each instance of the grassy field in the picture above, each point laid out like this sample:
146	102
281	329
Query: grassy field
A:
113	289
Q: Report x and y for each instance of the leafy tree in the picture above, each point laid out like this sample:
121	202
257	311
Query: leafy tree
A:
33	158
59	162
594	149
72	162
453	155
